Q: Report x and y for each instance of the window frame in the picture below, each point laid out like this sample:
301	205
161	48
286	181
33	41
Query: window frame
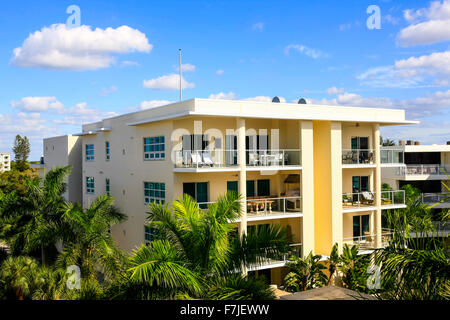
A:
158	143
90	190
154	198
88	156
107	151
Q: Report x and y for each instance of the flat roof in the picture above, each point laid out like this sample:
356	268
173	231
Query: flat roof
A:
257	109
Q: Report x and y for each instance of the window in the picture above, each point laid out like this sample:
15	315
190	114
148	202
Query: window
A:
154	148
107	186
150	234
107	151
89	152
360	184
90	186
263	187
154	192
360	225
198	191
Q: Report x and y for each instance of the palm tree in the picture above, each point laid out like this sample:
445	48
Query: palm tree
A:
333	262
199	256
17	277
305	273
33	220
354	268
92	245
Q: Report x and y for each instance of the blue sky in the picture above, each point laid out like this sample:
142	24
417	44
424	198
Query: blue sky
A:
59	78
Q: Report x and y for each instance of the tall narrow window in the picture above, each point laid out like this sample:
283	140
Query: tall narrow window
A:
154	192
107	151
107	186
89	152
154	148
90	186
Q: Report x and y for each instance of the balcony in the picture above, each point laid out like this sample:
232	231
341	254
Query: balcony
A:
227	160
367	241
424	172
357	157
266	208
440	200
276	261
364	201
393	157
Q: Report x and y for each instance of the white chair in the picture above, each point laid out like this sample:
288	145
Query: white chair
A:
196	159
207	159
253	159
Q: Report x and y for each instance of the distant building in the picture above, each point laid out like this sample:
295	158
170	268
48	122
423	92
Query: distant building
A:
63	151
5	161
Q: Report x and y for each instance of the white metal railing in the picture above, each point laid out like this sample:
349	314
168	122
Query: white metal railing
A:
273	157
367	241
394	156
358	156
258	206
205	158
433	198
367	199
423	169
267	259
220	158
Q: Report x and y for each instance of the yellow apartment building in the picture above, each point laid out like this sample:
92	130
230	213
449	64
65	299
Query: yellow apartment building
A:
313	168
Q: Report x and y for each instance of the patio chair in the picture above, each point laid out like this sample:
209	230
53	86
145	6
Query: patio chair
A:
207	159
346	200
196	159
253	159
367	197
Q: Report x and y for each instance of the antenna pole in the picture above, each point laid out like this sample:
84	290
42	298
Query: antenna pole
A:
181	90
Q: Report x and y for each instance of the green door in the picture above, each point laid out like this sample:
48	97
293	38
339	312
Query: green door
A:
232	186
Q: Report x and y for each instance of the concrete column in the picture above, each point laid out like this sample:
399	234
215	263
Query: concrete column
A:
337	227
240	128
307	185
377	190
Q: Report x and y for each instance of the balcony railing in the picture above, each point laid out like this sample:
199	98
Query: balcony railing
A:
282	157
277	259
219	158
367	199
205	158
393	156
424	169
433	198
358	156
267	207
367	241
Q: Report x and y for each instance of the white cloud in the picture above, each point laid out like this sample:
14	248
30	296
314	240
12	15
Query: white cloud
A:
430	25
232	96
334	90
153	104
185	67
168	82
412	72
313	53
419	107
82	113
128	63
259	26
223	96
38	104
220	72
80	48
107	91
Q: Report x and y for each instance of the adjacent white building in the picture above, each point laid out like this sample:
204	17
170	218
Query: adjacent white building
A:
5	161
